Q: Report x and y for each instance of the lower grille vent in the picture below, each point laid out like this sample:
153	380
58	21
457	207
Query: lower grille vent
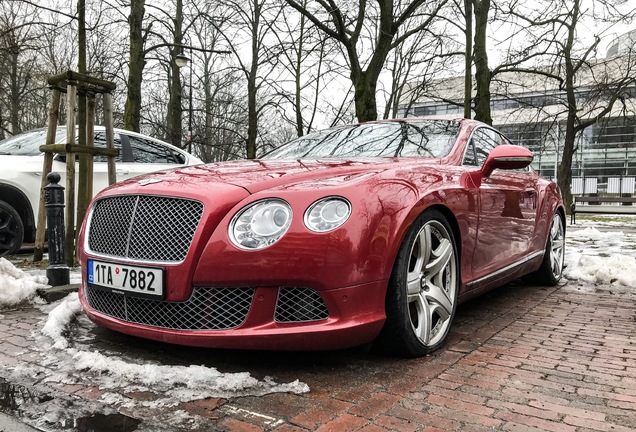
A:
206	309
296	304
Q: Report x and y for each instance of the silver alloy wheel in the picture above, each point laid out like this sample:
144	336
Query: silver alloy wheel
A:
431	283
557	246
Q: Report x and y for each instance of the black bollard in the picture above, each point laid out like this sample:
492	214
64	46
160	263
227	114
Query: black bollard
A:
57	272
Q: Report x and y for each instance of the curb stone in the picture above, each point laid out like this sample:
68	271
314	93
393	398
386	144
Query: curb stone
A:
52	294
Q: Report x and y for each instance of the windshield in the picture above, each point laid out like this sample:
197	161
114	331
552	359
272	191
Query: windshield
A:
423	138
28	143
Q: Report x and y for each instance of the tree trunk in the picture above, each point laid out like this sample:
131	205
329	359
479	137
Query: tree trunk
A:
132	110
300	130
366	107
174	104
468	73
252	122
564	172
15	92
252	114
483	74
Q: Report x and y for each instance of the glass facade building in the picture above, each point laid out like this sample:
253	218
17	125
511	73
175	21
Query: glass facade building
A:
605	159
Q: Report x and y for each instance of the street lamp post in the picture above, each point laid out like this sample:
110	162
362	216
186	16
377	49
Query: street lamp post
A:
182	60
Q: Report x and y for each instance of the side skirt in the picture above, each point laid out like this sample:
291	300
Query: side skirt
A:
502	276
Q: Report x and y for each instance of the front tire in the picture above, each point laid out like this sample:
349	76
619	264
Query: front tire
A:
11	230
422	292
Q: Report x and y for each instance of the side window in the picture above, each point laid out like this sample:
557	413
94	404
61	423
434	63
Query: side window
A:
485	140
469	157
146	151
100	141
176	157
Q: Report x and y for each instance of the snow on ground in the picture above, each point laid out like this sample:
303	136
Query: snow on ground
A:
16	286
597	253
69	362
602	251
175	383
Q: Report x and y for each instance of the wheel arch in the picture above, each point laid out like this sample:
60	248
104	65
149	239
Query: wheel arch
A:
19	201
454	225
560	210
414	214
390	336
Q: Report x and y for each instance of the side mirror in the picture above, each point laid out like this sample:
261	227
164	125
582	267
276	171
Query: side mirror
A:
507	157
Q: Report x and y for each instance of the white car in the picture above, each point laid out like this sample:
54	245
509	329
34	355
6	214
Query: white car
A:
21	173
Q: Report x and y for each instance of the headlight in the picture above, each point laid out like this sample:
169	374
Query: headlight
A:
260	224
327	214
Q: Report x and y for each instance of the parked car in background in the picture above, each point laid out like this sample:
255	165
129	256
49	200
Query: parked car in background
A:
21	172
376	230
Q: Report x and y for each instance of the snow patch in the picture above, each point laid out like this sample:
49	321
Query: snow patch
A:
17	286
60	317
615	269
171	384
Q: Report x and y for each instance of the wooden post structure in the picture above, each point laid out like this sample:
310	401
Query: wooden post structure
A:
110	136
73	83
54	114
71	105
86	161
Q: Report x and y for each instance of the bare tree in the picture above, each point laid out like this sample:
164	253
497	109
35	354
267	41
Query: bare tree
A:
19	41
413	64
373	28
249	25
160	30
219	117
573	63
483	75
309	67
132	111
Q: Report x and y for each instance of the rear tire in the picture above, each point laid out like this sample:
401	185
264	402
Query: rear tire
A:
551	269
11	230
422	292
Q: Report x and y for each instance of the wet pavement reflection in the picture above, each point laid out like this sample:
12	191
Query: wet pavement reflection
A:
15	398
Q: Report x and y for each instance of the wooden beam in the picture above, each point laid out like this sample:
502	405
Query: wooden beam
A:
69	244
76	148
75	76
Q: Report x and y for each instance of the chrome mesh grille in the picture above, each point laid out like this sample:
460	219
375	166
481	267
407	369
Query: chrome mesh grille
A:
296	304
207	308
144	227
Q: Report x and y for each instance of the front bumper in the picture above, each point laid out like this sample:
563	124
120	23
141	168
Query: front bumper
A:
355	317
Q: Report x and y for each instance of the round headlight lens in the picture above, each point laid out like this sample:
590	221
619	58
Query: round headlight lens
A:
327	214
260	224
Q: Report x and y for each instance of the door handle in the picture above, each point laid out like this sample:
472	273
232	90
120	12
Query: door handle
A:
122	171
530	192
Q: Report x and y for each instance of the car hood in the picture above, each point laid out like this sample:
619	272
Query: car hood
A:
258	175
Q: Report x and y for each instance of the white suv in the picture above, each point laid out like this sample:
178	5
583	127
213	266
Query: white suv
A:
21	172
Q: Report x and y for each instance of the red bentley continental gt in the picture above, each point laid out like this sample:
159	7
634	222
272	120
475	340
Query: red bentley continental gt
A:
336	239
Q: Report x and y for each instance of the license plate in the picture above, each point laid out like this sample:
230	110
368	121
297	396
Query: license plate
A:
135	280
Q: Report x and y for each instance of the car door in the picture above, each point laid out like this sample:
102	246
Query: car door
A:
507	207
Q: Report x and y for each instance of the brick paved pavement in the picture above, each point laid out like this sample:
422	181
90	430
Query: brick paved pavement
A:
521	358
